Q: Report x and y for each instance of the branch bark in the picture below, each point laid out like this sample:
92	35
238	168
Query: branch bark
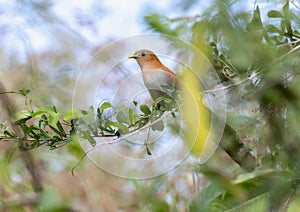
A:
27	157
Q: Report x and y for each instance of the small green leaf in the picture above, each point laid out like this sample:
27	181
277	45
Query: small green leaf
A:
168	99
274	14
44	109
89	115
50	111
61	129
122	128
272	29
21	115
9	134
255	174
87	135
54	118
72	114
55	130
159	126
286	8
104	106
131	116
24	91
145	109
74	146
213	44
122	117
256	23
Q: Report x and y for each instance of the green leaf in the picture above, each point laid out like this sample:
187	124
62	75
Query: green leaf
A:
122	117
44	109
87	135
159	126
55	130
54	118
286	8
256	23
104	106
213	44
72	114
89	115
252	175
74	146
24	91
9	134
145	109
272	29
132	116
274	14
122	128
257	203
209	194
21	115
160	23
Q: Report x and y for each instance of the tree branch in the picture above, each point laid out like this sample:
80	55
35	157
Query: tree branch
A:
27	156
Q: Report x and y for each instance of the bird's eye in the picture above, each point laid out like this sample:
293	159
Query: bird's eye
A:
143	54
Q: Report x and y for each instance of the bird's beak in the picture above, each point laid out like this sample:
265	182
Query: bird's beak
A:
133	56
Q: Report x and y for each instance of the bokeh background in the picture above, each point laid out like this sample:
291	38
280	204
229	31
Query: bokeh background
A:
45	45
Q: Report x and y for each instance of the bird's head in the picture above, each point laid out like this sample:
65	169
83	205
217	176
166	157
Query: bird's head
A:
146	59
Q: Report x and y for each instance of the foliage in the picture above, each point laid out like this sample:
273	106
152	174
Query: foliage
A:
257	59
48	126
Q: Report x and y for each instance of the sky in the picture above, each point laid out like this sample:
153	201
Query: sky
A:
113	19
96	21
100	21
120	18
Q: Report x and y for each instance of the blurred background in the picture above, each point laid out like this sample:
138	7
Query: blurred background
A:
45	45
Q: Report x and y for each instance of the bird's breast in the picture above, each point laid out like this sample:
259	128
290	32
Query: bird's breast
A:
154	79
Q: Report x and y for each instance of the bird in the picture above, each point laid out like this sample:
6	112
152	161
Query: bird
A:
155	73
155	76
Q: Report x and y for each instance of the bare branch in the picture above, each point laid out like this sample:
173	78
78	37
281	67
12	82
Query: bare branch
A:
186	18
295	5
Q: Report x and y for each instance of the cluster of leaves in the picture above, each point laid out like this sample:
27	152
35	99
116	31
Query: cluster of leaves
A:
257	60
48	126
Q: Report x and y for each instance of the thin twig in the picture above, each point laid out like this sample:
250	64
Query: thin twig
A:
133	132
248	78
9	92
146	142
186	18
289	199
290	52
122	138
292	42
232	85
295	5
